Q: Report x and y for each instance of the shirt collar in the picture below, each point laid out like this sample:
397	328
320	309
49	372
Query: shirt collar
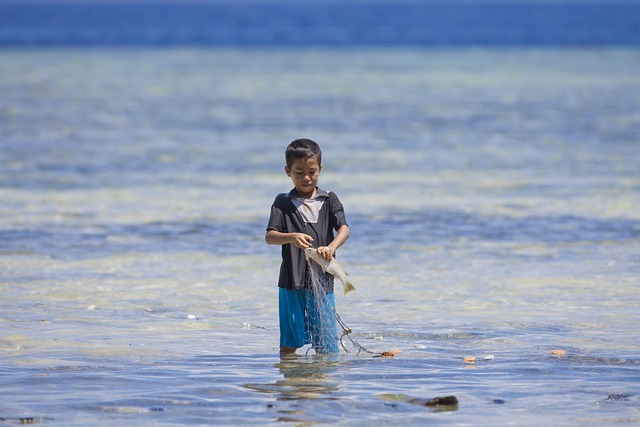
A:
319	193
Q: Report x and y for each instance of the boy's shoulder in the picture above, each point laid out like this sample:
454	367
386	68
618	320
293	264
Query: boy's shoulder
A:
281	197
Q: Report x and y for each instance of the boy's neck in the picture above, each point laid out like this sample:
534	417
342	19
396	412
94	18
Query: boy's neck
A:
312	196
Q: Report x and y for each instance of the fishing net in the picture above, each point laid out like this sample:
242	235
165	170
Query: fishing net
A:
327	329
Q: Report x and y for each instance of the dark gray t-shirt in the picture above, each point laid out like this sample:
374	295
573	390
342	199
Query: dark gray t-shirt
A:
292	214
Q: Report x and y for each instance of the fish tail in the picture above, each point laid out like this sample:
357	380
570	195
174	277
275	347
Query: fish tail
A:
348	287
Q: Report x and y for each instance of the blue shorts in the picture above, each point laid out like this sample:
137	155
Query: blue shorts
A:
303	322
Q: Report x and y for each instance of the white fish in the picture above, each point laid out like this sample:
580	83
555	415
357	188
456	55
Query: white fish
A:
332	267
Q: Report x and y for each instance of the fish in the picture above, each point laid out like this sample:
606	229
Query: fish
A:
332	267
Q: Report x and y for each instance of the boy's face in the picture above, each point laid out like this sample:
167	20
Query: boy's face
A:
304	173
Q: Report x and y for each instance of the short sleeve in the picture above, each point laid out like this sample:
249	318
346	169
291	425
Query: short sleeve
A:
276	219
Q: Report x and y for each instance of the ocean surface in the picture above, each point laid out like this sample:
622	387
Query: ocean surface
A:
490	179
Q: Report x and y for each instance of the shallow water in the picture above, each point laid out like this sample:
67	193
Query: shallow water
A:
492	196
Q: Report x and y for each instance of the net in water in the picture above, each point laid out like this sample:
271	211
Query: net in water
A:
323	320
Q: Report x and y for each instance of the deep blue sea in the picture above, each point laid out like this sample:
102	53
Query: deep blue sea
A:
320	23
486	153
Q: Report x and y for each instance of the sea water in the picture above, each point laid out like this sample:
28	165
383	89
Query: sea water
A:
492	194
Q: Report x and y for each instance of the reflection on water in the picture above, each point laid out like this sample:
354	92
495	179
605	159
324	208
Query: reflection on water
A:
307	377
304	377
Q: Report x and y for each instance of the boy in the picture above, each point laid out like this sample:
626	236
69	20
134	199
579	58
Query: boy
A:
306	217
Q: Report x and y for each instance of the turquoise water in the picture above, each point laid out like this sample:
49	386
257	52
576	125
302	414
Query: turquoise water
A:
493	201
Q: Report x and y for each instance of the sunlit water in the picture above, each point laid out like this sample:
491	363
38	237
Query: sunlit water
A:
493	198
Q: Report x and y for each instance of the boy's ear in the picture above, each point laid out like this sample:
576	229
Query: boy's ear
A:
287	170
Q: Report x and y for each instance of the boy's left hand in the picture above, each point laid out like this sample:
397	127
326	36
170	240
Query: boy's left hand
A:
326	252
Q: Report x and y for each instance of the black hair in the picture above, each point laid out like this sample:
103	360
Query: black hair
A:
302	148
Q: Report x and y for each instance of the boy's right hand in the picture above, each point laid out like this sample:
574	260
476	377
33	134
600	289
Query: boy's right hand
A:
302	241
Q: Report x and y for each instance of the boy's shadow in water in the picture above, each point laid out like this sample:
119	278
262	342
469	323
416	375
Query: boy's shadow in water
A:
304	378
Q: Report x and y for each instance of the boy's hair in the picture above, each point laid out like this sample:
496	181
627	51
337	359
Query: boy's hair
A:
302	148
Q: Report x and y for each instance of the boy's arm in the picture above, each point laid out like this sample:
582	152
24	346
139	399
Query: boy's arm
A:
301	240
328	251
